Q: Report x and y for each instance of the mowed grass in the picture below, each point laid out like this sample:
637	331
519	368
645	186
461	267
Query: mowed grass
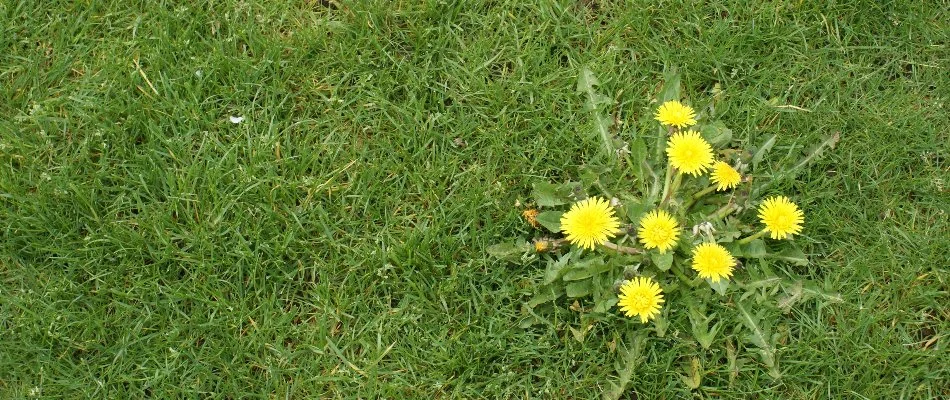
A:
333	243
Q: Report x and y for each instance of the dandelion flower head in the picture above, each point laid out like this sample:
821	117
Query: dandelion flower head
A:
658	230
541	245
689	152
724	176
640	297
590	222
781	217
674	113
713	262
531	215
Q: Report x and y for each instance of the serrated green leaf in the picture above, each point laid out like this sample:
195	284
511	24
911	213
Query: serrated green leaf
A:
545	294
812	290
694	374
586	80
719	286
793	295
550	220
660	325
717	134
793	255
759	337
587	84
593	102
817	151
604	304
631	356
550	195
557	269
635	209
671	86
593	175
579	288
587	270
663	261
766	281
700	328
602	125
580	334
756	249
763	150
509	250
814	153
638	161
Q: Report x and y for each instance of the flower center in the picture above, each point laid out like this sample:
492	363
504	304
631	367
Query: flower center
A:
689	153
592	223
783	221
660	234
639	301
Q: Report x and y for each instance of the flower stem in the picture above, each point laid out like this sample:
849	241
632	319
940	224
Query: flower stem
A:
679	274
671	188
622	249
667	181
722	212
698	196
752	237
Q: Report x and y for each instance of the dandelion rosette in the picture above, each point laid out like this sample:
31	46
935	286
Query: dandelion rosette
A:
713	262
689	153
674	113
658	230
640	297
781	217
590	222
724	176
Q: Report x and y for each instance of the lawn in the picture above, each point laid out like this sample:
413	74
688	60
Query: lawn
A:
332	243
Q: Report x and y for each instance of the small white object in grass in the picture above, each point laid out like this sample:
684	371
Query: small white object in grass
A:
705	228
236	119
199	73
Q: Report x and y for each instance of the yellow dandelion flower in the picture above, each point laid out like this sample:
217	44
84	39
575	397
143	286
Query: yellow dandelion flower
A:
658	230
640	297
590	222
674	113
781	217
531	215
541	245
689	152
713	262
724	176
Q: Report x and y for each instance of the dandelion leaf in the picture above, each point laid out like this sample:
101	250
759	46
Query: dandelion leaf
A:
671	86
792	254
759	336
545	294
556	269
586	269
720	286
663	261
631	357
594	101
717	134
579	288
550	195
509	251
756	249
550	220
763	150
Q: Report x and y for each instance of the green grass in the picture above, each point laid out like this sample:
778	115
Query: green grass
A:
333	243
